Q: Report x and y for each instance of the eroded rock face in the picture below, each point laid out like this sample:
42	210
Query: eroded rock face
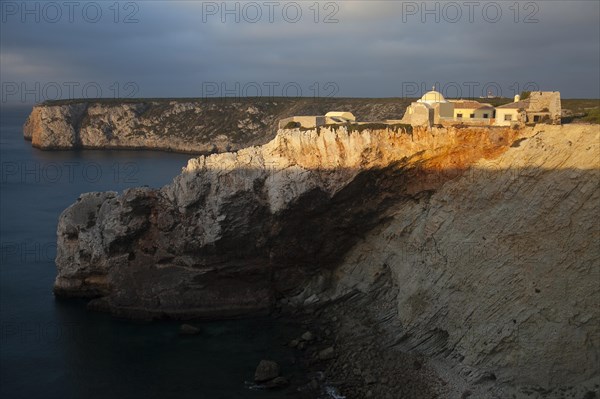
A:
498	270
54	127
235	231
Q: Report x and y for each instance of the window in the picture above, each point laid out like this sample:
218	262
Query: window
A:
508	117
472	116
459	116
485	116
536	118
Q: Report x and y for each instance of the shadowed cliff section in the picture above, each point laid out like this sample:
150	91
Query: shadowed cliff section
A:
199	126
496	273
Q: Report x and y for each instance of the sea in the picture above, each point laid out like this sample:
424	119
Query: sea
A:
57	348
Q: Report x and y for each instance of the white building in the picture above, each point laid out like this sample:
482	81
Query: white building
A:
430	109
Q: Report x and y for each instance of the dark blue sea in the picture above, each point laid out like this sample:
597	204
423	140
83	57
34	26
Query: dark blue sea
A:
53	348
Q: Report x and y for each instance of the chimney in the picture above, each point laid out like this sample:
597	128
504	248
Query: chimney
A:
517	98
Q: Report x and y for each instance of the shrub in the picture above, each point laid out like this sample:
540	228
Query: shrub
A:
292	125
592	116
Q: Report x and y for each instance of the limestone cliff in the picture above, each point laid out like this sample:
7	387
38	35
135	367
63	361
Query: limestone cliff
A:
488	236
192	126
498	271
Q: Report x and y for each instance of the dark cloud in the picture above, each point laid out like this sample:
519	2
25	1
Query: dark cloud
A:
374	49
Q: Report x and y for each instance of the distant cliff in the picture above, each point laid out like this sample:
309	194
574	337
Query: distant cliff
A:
192	126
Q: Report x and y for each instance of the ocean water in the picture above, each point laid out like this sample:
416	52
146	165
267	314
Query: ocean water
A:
52	348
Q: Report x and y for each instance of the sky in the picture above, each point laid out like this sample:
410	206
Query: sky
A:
81	49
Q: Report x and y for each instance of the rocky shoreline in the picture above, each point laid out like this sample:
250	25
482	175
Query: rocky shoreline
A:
350	355
346	352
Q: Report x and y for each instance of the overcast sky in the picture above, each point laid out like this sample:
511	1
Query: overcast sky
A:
341	48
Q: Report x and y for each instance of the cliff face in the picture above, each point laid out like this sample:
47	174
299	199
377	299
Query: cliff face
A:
279	213
498	270
194	126
488	237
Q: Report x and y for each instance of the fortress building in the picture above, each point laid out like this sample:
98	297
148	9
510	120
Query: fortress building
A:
433	108
539	107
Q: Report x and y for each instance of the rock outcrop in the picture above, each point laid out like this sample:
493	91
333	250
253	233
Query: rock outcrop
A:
199	126
488	236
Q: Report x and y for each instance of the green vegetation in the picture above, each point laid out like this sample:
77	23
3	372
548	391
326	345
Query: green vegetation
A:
581	110
525	95
592	116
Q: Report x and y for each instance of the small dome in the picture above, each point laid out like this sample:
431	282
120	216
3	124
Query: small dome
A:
433	97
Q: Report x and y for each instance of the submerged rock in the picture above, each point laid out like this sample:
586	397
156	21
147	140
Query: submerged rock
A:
187	329
266	370
278	382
